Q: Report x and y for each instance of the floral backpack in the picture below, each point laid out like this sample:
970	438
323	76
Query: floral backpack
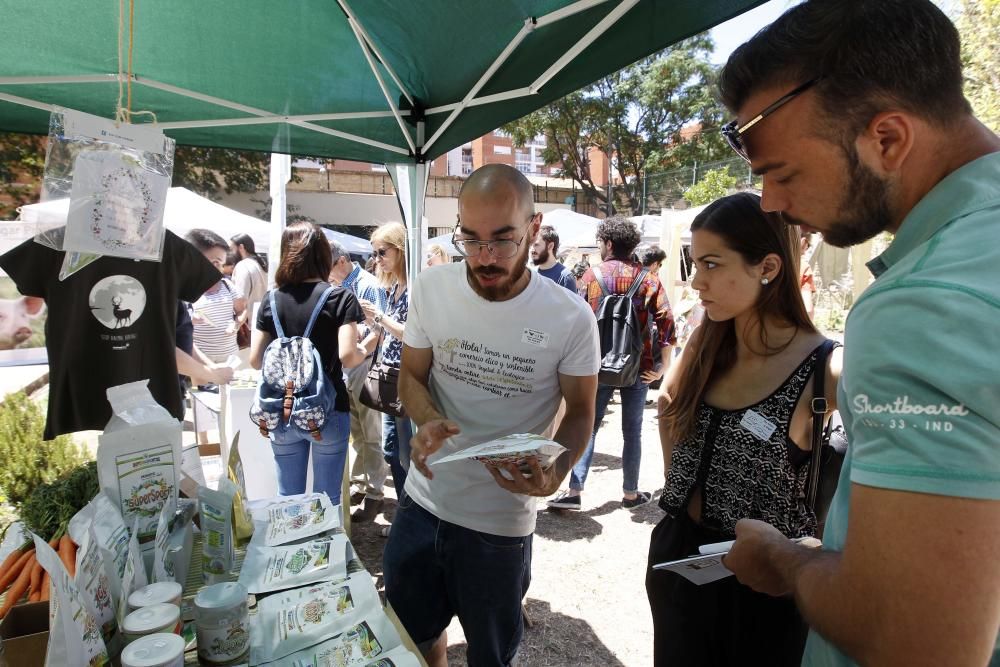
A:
293	392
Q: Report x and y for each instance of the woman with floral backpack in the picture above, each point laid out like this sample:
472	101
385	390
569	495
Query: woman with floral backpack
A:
301	285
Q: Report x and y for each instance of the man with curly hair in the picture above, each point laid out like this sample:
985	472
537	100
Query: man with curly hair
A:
617	239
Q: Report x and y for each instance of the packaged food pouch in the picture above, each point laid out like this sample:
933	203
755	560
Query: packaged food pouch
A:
515	448
133	578
290	520
296	619
373	639
180	541
266	569
74	634
139	456
217	551
92	580
112	536
397	657
242	522
160	572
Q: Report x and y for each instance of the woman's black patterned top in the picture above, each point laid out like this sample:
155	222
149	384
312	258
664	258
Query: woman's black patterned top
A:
742	475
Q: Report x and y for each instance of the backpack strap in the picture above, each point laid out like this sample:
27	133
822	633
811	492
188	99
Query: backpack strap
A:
316	310
636	284
274	314
600	281
818	407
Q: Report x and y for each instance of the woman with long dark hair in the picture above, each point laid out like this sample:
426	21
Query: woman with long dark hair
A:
735	427
301	282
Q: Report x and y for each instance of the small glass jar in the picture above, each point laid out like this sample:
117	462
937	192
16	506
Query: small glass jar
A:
156	650
156	618
162	591
222	622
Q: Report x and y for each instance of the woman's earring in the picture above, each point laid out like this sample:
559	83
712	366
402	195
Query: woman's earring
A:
764	281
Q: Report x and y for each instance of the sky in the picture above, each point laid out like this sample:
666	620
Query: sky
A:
732	33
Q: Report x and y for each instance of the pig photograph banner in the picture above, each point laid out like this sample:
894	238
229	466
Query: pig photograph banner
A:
22	318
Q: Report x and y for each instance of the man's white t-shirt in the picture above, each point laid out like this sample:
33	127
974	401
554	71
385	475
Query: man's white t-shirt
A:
495	372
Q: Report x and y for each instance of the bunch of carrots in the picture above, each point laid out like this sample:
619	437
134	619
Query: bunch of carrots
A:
21	575
46	512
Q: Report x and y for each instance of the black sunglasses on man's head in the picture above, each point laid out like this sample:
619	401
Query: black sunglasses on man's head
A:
734	133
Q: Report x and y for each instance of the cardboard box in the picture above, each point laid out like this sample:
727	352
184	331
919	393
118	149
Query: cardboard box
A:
24	633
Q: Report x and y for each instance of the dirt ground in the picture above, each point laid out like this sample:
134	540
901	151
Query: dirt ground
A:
587	601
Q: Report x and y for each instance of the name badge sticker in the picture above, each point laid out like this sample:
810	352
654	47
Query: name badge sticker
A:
535	337
758	425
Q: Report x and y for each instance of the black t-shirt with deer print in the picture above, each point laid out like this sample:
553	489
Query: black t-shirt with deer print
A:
109	323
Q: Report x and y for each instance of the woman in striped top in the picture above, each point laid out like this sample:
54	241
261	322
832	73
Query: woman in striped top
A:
221	310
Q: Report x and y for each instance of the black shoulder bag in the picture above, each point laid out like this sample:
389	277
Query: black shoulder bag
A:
829	446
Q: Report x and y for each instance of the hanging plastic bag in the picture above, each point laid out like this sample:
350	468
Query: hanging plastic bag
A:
116	178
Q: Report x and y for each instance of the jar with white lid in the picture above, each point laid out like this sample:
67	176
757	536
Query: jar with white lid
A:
157	593
156	650
156	618
222	622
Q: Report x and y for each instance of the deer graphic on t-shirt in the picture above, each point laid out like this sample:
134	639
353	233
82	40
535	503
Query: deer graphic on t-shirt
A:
123	317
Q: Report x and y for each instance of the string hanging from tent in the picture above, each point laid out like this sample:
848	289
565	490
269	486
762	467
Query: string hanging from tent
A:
125	114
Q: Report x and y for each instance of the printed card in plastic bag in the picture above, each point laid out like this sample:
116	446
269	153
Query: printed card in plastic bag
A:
115	179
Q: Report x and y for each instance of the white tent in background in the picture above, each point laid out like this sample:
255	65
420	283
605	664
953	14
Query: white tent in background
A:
352	244
183	212
575	229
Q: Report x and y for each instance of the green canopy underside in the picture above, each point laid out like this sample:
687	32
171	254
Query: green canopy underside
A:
293	58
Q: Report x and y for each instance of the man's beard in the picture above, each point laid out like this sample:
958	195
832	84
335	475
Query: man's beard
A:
501	289
864	207
543	256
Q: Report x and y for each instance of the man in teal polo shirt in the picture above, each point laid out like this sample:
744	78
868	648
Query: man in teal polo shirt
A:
853	113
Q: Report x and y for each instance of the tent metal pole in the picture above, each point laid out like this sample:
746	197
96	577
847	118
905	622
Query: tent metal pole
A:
417	242
264	120
152	83
350	137
485	99
25	102
201	97
588	39
46	80
378	54
529	25
280	173
567	11
381	83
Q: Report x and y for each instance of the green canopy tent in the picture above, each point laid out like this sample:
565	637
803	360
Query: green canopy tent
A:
386	81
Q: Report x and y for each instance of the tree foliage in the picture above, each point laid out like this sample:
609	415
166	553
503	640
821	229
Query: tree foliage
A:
209	171
978	23
206	171
713	185
22	162
636	115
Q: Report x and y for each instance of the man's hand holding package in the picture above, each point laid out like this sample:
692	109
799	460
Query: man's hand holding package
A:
538	482
428	439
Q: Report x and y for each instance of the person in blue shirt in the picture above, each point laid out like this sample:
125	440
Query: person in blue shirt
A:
369	470
853	113
544	251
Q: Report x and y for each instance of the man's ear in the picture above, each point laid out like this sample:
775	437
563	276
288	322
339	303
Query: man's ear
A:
887	141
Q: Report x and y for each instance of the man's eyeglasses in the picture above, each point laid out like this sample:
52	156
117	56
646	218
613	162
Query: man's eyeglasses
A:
499	248
734	133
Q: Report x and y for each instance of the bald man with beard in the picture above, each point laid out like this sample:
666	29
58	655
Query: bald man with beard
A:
490	350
